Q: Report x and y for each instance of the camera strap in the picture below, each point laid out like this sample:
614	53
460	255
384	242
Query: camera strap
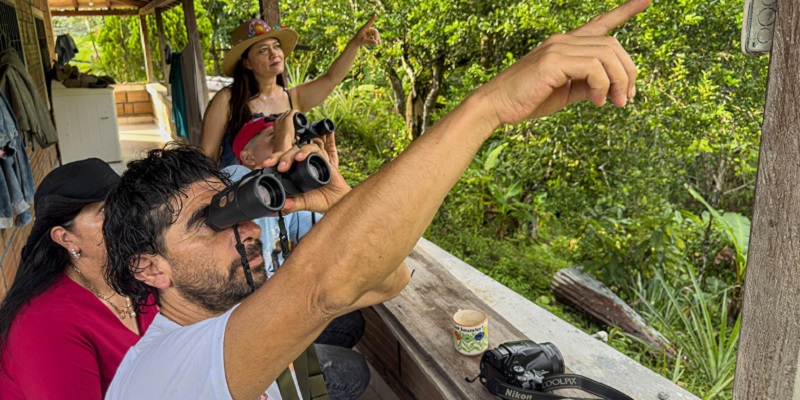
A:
275	261
243	254
283	236
555	382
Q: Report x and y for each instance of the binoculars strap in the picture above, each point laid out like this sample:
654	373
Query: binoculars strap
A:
243	254
283	236
555	382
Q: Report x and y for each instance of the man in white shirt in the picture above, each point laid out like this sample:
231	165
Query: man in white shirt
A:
215	339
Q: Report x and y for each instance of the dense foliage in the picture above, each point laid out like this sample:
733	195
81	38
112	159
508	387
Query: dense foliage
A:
652	199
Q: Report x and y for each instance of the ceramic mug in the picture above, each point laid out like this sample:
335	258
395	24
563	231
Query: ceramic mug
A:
470	332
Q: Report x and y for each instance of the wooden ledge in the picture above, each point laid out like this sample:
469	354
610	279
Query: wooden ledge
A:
408	339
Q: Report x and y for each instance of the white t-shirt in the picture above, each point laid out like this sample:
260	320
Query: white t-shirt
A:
178	362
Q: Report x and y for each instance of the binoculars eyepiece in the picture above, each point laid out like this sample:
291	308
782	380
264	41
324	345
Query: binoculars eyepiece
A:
262	192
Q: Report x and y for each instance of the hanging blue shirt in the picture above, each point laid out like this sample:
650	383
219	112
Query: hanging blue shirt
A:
16	177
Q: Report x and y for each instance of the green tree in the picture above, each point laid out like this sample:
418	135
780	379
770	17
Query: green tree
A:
224	17
121	48
119	40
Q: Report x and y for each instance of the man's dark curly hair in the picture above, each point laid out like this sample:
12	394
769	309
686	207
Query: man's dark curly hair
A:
145	202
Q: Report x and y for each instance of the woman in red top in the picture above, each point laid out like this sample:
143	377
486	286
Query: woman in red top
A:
63	330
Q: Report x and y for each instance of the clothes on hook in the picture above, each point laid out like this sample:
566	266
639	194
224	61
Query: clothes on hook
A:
65	48
33	116
178	95
16	176
72	77
187	97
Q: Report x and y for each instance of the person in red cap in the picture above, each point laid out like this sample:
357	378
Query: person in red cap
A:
256	63
346	372
252	146
253	143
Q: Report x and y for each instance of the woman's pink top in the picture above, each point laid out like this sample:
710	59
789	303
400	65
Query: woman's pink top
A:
66	344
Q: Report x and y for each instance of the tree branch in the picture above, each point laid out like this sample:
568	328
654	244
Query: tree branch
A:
397	89
433	94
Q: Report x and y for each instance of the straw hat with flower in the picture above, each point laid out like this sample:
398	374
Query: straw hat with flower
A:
252	32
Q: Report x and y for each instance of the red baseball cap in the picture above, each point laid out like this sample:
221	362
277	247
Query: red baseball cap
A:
248	131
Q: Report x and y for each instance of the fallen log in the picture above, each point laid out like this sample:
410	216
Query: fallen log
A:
580	290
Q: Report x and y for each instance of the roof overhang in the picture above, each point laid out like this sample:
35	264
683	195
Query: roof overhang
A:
74	8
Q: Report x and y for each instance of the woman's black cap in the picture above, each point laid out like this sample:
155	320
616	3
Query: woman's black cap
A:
64	192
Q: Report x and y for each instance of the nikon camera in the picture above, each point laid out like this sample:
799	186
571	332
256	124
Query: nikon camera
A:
527	370
522	364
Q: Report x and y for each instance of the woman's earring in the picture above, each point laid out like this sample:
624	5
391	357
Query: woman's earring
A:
75	253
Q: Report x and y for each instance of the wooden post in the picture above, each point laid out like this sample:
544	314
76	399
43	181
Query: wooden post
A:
162	46
148	58
767	362
270	12
193	34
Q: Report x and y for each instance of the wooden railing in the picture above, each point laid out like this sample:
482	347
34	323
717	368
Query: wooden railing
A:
408	339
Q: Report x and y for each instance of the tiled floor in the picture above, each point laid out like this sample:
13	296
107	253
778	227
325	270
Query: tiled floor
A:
135	140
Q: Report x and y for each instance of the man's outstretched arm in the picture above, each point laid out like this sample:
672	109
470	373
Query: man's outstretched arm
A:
364	237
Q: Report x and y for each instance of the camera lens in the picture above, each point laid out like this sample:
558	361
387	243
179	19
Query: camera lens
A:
314	173
310	174
257	195
319	170
300	121
268	194
554	360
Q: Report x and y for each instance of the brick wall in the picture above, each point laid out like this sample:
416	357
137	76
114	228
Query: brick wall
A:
132	100
42	160
27	10
391	360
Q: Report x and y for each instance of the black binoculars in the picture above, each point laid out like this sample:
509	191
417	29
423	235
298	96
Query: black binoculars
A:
305	130
262	193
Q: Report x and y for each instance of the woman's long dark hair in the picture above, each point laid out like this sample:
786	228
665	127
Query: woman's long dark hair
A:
243	89
46	262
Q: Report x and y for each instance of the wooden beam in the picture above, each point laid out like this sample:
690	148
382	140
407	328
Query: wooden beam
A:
152	5
768	361
193	34
148	59
162	47
132	3
92	13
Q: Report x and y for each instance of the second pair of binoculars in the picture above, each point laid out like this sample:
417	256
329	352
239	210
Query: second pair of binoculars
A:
306	130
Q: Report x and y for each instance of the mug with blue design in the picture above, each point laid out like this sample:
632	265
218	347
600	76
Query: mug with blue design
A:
470	332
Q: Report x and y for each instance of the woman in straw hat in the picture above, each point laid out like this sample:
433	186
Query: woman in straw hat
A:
256	63
63	330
